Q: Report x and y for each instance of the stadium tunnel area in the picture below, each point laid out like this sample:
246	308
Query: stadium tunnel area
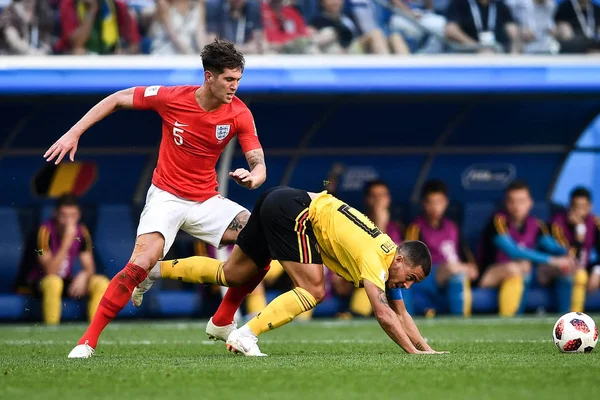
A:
476	138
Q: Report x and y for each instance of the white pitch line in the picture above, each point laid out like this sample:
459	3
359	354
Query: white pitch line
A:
200	325
28	342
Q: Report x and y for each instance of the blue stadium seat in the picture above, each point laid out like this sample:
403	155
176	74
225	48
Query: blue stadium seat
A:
11	248
542	210
175	304
475	217
13	307
114	237
46	213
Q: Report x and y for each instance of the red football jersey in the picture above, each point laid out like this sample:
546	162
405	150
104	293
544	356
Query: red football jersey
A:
193	139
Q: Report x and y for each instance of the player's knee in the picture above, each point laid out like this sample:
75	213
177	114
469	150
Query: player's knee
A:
148	250
524	266
513	269
318	292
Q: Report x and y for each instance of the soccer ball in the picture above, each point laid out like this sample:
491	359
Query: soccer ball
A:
575	332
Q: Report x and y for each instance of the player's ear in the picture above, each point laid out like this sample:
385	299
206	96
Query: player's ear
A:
208	76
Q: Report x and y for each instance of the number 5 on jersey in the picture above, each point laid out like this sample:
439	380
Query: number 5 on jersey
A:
177	138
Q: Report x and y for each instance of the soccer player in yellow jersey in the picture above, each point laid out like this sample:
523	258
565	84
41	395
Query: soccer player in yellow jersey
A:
304	231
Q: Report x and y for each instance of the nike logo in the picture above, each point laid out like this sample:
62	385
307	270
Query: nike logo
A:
177	124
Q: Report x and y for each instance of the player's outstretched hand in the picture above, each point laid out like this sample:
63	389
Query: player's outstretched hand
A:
432	352
243	177
66	144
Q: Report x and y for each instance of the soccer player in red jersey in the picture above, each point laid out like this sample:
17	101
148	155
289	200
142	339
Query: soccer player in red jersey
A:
198	122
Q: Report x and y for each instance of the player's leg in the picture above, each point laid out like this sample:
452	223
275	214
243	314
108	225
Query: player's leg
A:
580	286
308	292
547	276
148	249
96	289
594	279
159	223
51	289
288	232
511	279
455	278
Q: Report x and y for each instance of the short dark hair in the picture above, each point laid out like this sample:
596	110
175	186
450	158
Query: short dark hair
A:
221	54
67	200
434	186
580	191
516	185
416	253
371	184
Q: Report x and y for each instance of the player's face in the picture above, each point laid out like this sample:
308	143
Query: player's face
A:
67	215
225	85
518	204
379	197
403	275
435	205
580	208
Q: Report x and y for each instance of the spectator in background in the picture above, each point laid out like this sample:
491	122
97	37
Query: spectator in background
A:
179	28
50	274
285	29
510	245
26	28
239	21
372	36
378	201
578	26
336	32
487	23
453	264
535	19
97	27
578	231
424	16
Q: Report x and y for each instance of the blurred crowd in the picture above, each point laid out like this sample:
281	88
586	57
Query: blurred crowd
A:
166	27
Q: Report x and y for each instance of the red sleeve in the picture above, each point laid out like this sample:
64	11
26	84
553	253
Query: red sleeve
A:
68	21
131	32
150	97
246	132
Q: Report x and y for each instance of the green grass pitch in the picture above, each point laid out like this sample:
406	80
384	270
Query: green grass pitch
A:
489	359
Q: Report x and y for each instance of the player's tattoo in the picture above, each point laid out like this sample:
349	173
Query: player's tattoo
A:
239	222
254	158
383	298
419	346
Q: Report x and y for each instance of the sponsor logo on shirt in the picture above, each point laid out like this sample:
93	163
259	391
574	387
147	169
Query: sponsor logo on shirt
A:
151	91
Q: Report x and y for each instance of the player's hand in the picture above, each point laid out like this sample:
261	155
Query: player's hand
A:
70	232
66	144
432	352
78	287
243	177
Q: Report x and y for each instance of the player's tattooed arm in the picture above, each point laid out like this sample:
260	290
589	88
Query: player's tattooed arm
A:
387	318
258	167
409	325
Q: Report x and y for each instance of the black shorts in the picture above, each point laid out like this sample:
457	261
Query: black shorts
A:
279	229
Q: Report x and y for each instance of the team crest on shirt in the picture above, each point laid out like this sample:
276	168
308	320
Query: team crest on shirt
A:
222	131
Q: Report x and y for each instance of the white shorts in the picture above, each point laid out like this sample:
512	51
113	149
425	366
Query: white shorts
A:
167	214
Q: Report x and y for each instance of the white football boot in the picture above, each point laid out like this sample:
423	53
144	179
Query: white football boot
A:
137	296
244	341
215	332
81	351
